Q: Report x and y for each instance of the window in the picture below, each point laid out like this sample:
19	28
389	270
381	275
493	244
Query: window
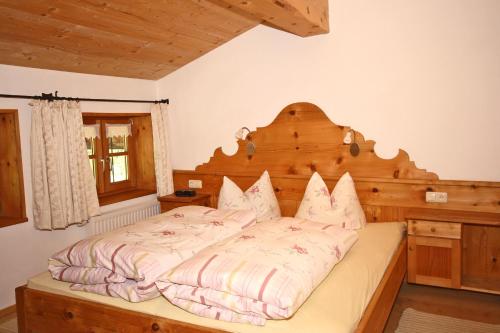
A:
120	153
12	204
110	146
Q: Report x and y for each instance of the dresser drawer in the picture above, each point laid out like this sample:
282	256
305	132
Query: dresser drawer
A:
435	229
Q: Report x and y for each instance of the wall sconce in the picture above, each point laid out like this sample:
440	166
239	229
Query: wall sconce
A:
244	134
350	139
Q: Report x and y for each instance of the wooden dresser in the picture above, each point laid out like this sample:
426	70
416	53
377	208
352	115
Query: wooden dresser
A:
455	249
171	201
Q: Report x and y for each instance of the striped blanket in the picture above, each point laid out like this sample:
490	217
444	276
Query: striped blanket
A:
127	262
264	272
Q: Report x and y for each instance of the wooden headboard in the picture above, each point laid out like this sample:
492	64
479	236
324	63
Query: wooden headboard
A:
302	139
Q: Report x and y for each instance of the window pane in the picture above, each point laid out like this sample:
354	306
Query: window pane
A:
90	142
118	144
93	166
119	168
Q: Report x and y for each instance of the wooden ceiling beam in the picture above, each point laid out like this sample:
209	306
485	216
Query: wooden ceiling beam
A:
299	17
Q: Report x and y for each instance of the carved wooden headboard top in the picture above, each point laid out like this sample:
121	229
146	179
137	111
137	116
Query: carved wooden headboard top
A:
302	139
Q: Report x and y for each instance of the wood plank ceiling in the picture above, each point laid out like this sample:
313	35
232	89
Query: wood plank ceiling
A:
145	39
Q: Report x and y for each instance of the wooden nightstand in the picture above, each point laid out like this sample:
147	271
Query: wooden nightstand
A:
170	201
434	253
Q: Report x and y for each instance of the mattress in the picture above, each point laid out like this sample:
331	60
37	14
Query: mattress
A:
336	305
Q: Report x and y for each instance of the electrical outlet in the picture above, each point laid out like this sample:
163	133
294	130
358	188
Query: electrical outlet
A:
436	197
442	197
195	183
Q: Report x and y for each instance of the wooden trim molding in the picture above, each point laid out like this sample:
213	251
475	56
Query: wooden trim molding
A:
111	198
7	221
7	311
113	115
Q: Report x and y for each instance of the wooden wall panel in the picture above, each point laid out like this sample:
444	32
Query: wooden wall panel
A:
12	204
481	257
382	199
302	139
143	132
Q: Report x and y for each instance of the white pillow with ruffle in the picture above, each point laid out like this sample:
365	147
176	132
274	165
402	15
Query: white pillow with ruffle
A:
259	197
341	207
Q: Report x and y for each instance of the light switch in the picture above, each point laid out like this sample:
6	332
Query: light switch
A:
436	197
195	183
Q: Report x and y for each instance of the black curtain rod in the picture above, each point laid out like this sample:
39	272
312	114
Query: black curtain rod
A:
53	97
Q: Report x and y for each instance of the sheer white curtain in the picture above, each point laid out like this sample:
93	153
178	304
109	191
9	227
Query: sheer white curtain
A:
64	191
163	167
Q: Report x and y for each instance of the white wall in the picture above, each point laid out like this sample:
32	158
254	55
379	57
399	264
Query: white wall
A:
423	76
23	249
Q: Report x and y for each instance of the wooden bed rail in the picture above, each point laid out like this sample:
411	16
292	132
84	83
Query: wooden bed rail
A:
378	310
43	312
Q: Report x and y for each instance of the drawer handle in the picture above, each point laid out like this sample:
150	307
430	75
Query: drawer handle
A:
494	259
68	314
155	327
433	229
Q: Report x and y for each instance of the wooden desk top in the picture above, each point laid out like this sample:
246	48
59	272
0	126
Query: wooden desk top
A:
454	216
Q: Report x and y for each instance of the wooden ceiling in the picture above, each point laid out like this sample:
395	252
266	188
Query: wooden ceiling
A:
145	39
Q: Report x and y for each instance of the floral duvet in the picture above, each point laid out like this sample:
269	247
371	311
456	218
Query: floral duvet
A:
127	262
264	272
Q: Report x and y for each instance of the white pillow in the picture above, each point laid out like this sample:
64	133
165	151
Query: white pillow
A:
259	197
342	207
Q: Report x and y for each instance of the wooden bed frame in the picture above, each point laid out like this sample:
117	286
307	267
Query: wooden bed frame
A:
44	312
298	142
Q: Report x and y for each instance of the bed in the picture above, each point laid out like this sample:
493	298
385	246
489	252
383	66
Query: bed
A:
377	243
300	140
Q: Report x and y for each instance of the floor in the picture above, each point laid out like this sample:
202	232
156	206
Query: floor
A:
8	324
447	302
453	303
